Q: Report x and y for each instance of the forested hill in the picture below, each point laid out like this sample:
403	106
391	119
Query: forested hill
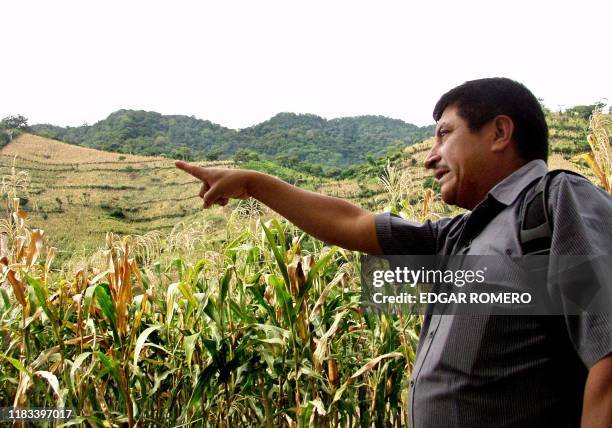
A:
286	137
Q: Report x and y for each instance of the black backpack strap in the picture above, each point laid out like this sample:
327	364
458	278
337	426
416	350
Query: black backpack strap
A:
536	222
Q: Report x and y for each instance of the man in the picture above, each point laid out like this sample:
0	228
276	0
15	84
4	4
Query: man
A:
491	144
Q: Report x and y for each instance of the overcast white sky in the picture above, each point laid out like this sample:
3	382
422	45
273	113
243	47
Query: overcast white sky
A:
237	63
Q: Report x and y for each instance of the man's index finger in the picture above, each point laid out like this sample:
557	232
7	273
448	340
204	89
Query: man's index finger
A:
196	171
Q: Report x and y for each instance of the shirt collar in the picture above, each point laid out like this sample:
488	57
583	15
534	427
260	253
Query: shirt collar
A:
507	190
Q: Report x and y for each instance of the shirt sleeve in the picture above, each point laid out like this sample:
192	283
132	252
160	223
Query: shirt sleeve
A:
582	226
397	236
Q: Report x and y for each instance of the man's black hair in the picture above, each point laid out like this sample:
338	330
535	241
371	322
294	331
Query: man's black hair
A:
479	101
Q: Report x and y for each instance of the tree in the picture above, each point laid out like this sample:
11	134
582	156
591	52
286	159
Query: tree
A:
4	138
213	154
244	155
14	122
182	153
290	161
585	111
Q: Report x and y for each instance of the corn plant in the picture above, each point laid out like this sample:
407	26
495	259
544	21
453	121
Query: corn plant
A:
600	159
264	329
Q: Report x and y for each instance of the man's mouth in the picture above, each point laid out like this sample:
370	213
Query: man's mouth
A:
440	173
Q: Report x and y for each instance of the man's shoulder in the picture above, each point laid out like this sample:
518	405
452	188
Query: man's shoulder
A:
581	216
565	175
565	183
560	202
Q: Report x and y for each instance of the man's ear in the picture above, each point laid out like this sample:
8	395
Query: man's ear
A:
503	128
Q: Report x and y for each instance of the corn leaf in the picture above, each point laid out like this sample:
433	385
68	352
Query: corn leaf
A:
78	361
110	366
140	342
17	364
41	295
189	343
53	382
277	255
108	308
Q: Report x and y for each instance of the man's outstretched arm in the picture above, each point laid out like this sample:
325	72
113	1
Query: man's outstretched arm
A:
329	219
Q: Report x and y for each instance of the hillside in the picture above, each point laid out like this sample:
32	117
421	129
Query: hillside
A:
78	194
287	137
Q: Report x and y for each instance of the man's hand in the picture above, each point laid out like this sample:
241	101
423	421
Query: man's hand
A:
329	219
219	185
597	407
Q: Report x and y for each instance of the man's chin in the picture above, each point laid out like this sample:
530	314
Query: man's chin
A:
447	196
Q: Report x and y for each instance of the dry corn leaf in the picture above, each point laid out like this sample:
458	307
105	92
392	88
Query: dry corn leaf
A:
50	256
324	293
372	364
321	349
4	247
18	287
34	247
332	371
4	263
22	388
296	277
19	248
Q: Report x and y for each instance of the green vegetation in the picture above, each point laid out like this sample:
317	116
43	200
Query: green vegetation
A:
288	174
12	126
117	213
287	138
584	111
14	122
431	183
4	138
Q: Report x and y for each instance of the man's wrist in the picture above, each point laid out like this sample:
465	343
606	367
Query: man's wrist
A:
253	183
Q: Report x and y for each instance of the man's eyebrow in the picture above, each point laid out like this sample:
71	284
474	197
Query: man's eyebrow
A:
440	125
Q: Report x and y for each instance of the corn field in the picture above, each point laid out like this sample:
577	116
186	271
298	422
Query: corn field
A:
262	329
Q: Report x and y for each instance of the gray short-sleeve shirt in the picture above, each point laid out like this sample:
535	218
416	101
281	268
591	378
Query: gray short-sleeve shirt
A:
507	371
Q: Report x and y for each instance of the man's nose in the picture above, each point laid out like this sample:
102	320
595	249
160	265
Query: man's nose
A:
432	158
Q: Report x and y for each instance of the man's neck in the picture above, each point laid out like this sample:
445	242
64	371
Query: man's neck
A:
493	176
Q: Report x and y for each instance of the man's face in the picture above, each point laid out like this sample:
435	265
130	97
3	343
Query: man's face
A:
458	159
